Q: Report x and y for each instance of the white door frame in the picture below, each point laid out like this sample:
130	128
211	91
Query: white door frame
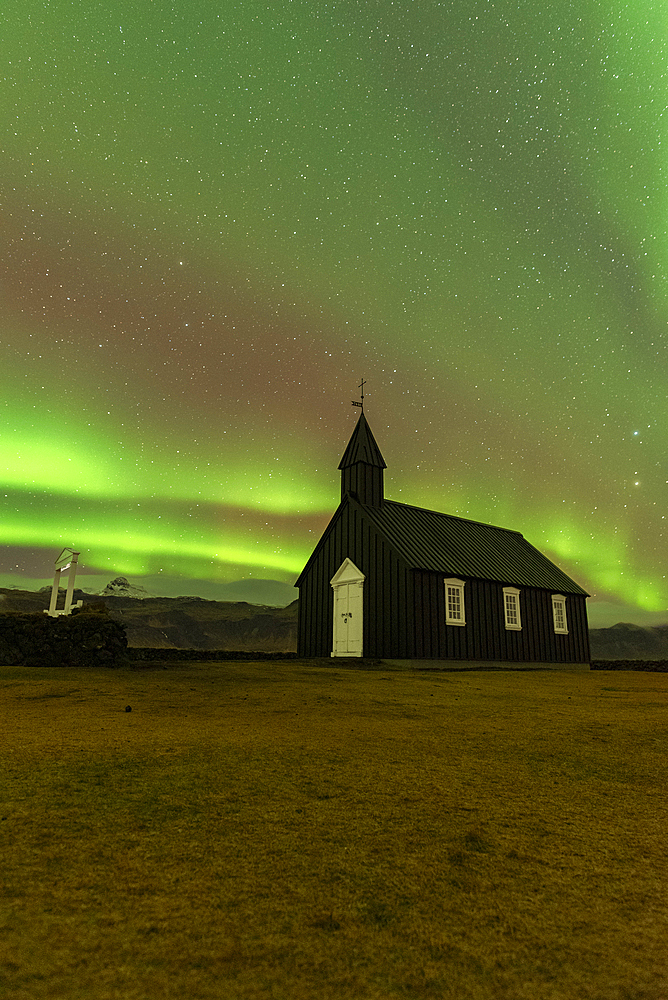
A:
348	624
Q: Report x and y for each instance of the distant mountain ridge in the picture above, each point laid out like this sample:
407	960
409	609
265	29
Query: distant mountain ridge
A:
179	622
121	587
625	641
195	623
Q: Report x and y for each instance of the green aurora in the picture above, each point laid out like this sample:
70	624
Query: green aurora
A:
216	220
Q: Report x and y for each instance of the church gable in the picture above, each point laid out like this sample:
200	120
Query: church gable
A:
352	539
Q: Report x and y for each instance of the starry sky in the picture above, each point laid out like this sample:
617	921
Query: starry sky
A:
218	217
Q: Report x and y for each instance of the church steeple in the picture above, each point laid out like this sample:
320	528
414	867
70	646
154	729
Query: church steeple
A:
362	466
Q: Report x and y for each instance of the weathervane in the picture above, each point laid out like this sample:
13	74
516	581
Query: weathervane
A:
361	387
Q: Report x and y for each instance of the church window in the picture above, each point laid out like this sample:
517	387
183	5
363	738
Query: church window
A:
455	613
559	614
511	606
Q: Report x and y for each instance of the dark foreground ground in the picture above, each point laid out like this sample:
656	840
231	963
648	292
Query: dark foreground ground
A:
277	830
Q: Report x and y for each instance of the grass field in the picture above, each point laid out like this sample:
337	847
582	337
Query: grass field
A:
287	831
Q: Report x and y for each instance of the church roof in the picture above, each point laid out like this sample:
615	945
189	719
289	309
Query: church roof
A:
362	447
443	543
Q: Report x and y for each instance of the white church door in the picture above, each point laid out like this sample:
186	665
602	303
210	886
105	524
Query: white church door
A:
347	584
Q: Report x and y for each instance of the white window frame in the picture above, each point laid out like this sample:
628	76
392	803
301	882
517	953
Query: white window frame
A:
559	600
512	592
459	586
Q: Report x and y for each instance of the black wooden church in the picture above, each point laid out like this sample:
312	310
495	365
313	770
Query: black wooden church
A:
391	581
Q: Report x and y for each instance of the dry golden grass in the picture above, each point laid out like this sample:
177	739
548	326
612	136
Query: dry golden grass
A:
284	831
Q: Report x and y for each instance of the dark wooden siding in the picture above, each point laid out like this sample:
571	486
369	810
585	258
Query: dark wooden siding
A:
387	613
485	637
576	611
364	481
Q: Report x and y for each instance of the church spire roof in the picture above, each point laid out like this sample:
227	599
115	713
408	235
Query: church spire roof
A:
362	467
362	447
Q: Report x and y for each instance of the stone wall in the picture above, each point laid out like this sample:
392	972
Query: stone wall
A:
85	638
651	666
148	654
